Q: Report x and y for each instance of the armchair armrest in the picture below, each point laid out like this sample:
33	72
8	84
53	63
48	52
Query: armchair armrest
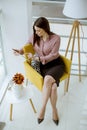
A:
28	48
33	76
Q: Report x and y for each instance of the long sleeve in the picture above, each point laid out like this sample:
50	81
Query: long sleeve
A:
49	50
53	52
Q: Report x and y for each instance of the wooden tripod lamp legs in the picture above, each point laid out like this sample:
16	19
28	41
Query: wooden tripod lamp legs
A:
72	37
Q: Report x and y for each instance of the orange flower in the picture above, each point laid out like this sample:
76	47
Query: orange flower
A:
18	78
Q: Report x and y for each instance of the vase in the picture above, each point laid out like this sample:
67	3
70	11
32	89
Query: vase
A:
17	90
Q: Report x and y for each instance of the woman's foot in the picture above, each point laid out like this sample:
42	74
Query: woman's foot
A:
56	122
41	116
55	117
39	120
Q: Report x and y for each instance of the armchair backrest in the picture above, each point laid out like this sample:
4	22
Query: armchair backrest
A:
67	63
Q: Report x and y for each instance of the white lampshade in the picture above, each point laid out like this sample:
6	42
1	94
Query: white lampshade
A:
75	9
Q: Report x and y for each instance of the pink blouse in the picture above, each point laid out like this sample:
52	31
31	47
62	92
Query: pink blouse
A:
47	50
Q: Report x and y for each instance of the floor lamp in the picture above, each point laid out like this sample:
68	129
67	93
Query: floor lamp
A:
75	9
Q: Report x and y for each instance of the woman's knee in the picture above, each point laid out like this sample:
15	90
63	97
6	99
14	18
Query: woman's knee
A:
54	87
49	80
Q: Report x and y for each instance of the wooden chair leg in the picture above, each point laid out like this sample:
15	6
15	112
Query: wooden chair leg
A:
32	105
11	109
66	85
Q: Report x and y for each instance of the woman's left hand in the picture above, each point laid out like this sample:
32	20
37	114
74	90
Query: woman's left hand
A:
42	60
30	55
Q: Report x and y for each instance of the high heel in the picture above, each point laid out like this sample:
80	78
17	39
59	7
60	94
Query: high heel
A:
56	121
39	120
55	117
41	116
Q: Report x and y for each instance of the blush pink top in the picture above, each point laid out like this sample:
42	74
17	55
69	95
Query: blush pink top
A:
47	50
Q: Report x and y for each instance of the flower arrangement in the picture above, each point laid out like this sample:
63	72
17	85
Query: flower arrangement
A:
18	78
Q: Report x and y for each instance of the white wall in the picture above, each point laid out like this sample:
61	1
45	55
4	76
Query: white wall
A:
16	28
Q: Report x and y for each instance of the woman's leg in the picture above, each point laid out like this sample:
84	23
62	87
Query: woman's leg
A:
46	92
53	99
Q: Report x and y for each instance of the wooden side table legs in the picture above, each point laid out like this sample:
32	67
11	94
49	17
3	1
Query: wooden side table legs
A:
11	109
32	105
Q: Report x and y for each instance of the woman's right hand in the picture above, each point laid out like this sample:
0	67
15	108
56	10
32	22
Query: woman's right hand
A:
18	52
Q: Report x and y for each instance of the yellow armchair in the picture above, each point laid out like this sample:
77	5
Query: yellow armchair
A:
34	77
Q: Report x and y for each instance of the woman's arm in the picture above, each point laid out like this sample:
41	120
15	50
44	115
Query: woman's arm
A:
53	54
21	51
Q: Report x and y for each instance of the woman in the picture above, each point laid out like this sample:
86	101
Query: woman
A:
46	44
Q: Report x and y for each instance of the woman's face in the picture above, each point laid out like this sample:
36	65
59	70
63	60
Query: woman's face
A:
39	31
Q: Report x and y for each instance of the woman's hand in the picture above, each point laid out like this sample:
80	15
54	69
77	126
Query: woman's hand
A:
30	55
18	52
42	60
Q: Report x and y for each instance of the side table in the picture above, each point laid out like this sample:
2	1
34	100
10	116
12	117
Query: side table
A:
26	95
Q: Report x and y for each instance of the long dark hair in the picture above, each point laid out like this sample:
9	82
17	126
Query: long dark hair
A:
41	23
